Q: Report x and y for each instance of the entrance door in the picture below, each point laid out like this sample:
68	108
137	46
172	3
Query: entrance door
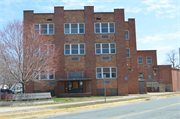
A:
75	87
141	87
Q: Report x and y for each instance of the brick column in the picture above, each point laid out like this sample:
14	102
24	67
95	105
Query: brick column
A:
121	62
133	85
90	46
28	17
59	43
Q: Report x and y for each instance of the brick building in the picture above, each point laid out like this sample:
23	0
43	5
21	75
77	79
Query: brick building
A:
91	44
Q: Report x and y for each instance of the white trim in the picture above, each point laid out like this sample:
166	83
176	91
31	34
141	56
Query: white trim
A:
138	60
78	28
129	53
70	47
109	44
147	60
47	28
128	34
110	71
100	27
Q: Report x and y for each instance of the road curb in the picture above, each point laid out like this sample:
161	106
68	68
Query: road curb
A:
76	108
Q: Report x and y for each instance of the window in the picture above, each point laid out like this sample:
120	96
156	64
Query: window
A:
105	48
74	58
110	72
127	52
150	76
141	75
75	75
46	49
105	58
45	74
44	28
127	34
149	60
74	49
104	27
145	66
140	60
104	36
74	28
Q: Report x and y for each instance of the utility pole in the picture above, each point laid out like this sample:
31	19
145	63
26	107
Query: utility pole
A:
104	76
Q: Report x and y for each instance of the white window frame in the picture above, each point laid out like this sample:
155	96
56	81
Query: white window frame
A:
142	60
110	68
48	50
128	34
78	28
128	52
147	60
101	52
47	28
47	74
70	46
101	27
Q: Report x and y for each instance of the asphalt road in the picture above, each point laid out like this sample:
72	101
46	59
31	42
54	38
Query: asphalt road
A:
168	108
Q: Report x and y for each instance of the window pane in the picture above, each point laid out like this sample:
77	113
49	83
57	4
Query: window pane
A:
81	30
74	30
111	25
36	26
104	24
98	69
99	75
51	31
66	30
98	51
97	30
107	75
73	25
113	75
105	45
75	46
43	26
97	25
105	50
104	27
74	51
81	45
112	45
113	69
82	51
67	46
67	51
97	45
106	70
66	25
50	25
81	26
113	50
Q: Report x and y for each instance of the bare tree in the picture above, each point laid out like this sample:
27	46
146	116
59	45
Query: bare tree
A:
172	58
26	54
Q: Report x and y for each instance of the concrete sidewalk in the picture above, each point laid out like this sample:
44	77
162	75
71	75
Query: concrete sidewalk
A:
130	96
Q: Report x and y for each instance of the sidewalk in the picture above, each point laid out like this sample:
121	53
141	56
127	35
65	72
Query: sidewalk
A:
29	109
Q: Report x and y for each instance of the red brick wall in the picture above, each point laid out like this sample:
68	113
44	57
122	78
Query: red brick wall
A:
176	79
165	74
28	19
133	86
141	69
120	52
90	46
59	43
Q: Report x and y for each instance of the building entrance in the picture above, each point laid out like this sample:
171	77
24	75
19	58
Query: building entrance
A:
75	86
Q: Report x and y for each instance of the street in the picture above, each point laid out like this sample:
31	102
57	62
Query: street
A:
168	108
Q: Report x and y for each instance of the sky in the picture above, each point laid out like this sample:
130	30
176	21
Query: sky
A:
157	21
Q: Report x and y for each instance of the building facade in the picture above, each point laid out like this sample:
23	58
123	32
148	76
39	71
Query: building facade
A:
92	44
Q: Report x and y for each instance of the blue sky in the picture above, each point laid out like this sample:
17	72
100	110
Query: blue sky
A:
157	21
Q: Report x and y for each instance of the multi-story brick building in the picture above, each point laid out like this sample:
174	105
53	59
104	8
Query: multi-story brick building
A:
92	44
